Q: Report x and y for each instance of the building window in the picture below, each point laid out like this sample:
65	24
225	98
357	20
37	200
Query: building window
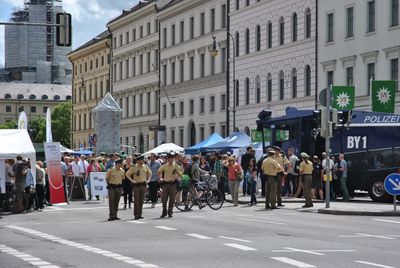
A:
350	22
134	35
269	35
212	62
181	108
202	65
223	16
120	40
247	92
173	34
164	114
173	114
164	69
212	104
237	93
134	105
247	3
223	130
141	104
172	73
181	136
394	13
202	104
370	74
212	18
127	69
223	61
127	37
141	64
329	32
191	27
237	4
247	40
165	37
141	31
329	78
148	28
308	80
258	89
134	66
156	100
156	59
8	109
294	83
223	102
394	69
212	129
258	38
202	133
156	25
294	27
237	44
349	76
202	23
181	70
173	135
148	56
281	31
191	68
148	100
281	86
269	88
191	107
371	17
182	31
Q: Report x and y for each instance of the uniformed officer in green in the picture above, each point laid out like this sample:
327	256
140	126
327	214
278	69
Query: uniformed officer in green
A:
114	177
139	175
169	173
282	161
270	167
306	170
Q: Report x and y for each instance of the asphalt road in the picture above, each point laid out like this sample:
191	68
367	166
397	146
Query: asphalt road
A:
78	235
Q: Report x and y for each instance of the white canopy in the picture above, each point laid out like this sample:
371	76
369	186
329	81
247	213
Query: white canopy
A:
64	149
166	148
14	142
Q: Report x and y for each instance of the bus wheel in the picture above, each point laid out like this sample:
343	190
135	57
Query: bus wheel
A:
377	191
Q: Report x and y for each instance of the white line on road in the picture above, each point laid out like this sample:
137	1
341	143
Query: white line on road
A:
398	222
312	251
293	262
199	236
377	236
235	239
137	222
241	247
99	251
166	228
271	222
26	257
374	264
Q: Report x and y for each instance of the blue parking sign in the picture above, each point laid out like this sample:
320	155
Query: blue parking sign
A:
392	184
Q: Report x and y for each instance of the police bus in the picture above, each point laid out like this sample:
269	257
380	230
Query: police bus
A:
369	140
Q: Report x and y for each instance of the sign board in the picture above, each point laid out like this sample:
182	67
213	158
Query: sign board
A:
52	153
392	184
281	135
98	184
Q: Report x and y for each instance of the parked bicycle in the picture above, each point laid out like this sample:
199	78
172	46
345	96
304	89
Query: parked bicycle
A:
13	201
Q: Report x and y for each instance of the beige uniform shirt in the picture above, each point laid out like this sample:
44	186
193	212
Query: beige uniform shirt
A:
282	161
138	174
270	166
171	172
306	169
115	176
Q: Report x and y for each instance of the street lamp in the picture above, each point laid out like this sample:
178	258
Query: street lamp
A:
214	52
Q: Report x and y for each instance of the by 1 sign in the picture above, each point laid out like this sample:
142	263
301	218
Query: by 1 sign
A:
392	186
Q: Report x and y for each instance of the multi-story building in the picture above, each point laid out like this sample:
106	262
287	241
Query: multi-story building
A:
275	52
31	52
34	99
193	94
91	82
135	56
357	41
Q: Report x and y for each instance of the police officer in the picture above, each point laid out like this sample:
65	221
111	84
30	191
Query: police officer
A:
282	161
306	171
140	175
270	167
114	178
169	173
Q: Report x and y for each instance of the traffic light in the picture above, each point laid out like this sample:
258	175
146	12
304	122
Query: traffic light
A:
64	31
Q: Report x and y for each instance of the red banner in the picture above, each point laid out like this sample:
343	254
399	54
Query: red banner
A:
53	164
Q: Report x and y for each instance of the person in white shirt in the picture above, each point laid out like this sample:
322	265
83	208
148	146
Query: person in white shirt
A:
325	167
75	167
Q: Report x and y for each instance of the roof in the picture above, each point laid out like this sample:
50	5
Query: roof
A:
171	3
133	9
95	40
26	91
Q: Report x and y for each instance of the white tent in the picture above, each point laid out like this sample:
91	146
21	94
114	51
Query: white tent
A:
166	148
64	149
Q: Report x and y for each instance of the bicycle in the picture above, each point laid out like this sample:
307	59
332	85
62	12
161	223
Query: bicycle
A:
185	199
10	200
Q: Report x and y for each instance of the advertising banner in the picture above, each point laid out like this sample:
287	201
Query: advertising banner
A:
53	163
98	184
2	176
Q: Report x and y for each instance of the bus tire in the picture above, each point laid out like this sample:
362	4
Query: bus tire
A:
377	191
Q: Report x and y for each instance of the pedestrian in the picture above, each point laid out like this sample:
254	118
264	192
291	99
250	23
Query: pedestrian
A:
20	170
169	174
342	176
40	182
114	178
283	162
64	171
30	187
270	168
127	183
306	171
154	165
139	175
235	175
219	171
252	180
328	165
203	165
245	161
316	184
292	175
261	174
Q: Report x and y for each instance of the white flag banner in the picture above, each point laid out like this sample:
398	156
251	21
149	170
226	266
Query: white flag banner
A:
49	136
22	121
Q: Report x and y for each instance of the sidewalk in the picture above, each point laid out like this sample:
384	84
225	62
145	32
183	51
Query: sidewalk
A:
359	206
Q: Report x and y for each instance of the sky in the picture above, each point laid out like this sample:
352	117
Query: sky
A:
89	17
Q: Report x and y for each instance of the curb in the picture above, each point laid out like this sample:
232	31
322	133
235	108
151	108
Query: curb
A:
358	213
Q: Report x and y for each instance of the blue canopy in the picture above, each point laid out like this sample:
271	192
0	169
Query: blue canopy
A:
195	149
233	141
80	152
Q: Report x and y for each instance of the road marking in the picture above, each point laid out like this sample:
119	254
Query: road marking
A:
374	264
26	257
241	247
312	251
271	222
166	228
137	222
293	262
377	236
235	239
88	248
199	236
398	222
302	250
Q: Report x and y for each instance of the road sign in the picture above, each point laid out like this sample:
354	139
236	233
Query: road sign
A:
392	184
322	96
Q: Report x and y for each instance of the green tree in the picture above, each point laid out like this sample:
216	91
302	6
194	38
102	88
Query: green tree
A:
61	123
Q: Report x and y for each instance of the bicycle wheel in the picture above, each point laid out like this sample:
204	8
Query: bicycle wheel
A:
214	199
183	200
10	201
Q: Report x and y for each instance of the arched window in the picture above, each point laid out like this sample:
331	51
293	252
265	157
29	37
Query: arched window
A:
45	97
294	27
20	96
307	25
294	83
237	93
237	44
281	86
307	80
247	45
258	89
269	35
247	90
7	96
281	31
56	97
269	87
258	38
32	97
68	97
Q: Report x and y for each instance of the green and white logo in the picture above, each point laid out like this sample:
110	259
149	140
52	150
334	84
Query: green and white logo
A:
343	97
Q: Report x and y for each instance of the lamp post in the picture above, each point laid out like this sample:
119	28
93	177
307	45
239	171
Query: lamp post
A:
214	52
